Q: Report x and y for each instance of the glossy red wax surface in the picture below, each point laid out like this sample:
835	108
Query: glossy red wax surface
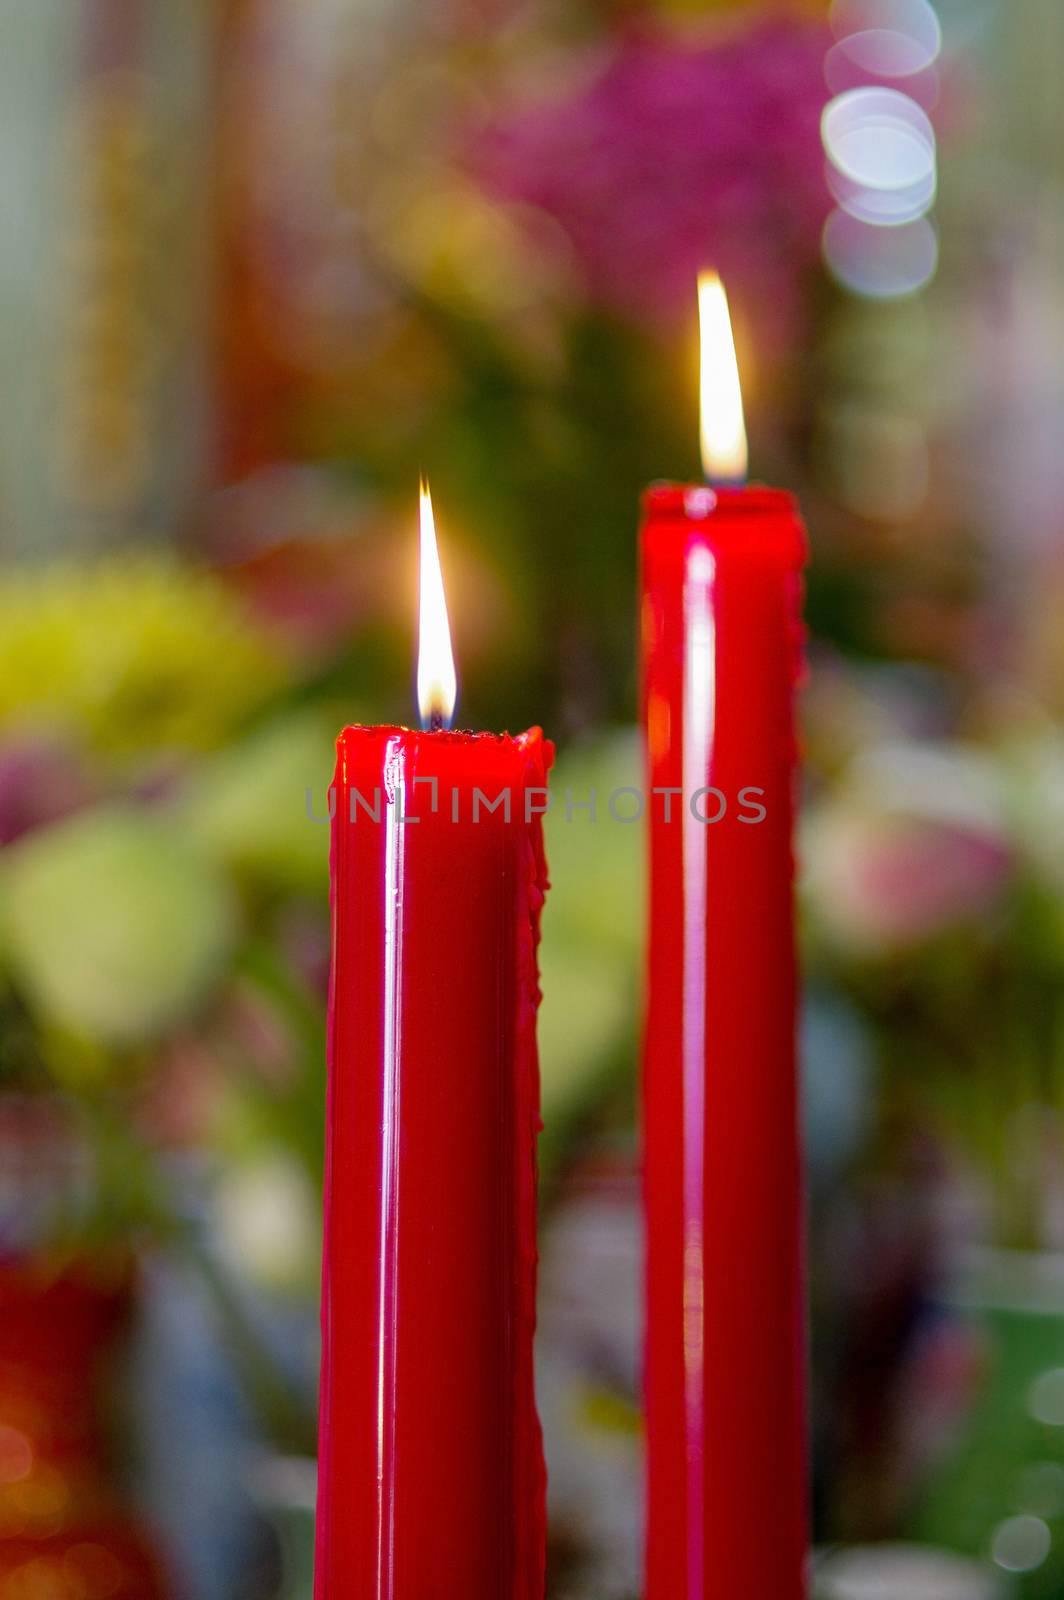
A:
725	1378
431	1468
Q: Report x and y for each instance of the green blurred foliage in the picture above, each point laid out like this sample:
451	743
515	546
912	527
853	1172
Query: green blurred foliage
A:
114	926
257	807
140	654
590	952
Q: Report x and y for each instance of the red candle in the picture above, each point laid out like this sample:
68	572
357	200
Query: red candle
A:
721	634
431	1476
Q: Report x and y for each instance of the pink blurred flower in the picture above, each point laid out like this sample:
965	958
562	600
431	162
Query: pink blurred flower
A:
40	782
899	881
914	844
671	158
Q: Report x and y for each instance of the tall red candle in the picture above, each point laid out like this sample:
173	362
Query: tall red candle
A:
431	1477
726	1447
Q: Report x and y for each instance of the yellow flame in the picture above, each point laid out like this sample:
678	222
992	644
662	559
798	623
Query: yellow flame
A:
724	454
437	685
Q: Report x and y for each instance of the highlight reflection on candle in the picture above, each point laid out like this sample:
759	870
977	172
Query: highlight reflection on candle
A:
699	721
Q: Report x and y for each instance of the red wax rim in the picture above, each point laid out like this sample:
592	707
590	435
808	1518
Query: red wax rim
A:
695	501
378	731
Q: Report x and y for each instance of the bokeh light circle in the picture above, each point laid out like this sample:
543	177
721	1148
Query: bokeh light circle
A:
880	263
892	38
1021	1544
1046	1399
879	138
883	207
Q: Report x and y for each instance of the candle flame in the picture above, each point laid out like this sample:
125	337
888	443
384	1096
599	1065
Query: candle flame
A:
724	454
437	684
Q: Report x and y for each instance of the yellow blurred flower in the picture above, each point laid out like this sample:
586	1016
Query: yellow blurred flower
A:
137	653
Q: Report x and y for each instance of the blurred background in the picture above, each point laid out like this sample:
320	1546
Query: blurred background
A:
263	262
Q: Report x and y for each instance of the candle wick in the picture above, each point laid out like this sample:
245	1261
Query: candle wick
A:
436	721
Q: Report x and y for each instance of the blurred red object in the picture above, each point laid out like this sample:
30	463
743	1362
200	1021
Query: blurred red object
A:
64	1532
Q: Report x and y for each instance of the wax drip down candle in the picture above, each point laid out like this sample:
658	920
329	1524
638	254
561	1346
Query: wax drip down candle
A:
725	1342
431	1476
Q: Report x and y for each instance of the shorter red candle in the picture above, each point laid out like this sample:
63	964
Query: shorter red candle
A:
431	1466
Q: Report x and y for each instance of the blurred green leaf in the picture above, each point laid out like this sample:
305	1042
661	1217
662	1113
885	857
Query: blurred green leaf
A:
596	863
115	925
589	957
585	1013
134	653
248	808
